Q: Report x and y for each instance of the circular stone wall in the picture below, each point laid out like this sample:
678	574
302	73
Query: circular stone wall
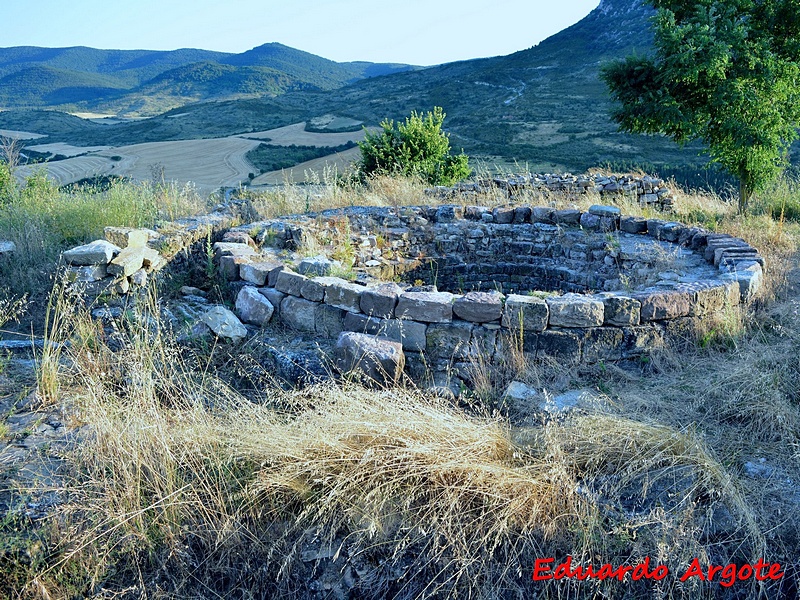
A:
579	287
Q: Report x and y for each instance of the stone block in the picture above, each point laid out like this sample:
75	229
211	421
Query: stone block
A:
525	314
666	304
564	346
641	340
412	335
543	214
328	321
448	341
274	296
378	359
290	282
604	211
232	249
224	324
707	296
361	323
252	307
426	307
479	307
602	343
152	260
620	310
127	261
590	221
630	224
314	289
567	216
575	310
128	237
343	294
230	265
257	272
315	266
503	215
86	273
98	252
139	278
380	301
522	214
299	314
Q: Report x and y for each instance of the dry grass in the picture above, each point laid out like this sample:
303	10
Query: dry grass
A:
181	487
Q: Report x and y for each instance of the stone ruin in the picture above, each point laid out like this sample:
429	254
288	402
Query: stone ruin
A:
440	292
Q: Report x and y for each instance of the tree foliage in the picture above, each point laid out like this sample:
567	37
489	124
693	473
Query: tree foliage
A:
417	147
726	72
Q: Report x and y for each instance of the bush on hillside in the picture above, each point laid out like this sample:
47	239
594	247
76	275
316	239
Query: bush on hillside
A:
417	147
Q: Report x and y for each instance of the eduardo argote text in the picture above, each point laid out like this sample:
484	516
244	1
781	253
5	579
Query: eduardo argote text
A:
726	575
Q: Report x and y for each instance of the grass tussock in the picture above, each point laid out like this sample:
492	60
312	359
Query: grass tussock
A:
184	486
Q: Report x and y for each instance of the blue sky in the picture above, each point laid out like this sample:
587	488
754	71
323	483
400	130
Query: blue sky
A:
420	32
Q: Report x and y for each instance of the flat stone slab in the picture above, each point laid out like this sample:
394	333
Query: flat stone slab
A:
426	307
224	323
343	294
128	237
479	307
127	262
98	252
667	304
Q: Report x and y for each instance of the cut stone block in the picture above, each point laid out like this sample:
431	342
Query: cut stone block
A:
127	262
426	307
563	346
274	296
620	310
379	359
257	272
343	294
479	307
299	314
290	282
252	307
380	301
575	310
328	321
410	334
667	304
128	237
86	273
525	313
98	252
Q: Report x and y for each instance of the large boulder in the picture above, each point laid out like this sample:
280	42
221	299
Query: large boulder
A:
378	359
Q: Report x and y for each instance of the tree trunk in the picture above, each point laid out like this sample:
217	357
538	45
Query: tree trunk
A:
745	191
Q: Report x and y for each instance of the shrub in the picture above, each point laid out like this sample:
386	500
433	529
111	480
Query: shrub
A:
417	147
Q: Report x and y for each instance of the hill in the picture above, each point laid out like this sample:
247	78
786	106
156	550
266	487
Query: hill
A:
147	82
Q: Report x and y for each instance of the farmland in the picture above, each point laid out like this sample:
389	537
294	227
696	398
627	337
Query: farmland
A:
209	164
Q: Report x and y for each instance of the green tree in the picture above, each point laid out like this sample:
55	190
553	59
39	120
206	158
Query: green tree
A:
726	72
417	147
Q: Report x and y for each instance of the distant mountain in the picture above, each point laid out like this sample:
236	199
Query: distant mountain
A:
544	106
145	81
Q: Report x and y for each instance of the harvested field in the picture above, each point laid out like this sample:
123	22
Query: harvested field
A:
67	149
20	135
339	161
209	164
296	134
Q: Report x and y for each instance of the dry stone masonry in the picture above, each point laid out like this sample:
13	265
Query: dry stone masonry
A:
646	190
436	292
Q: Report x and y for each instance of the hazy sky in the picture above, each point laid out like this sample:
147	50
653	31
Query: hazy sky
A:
420	32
